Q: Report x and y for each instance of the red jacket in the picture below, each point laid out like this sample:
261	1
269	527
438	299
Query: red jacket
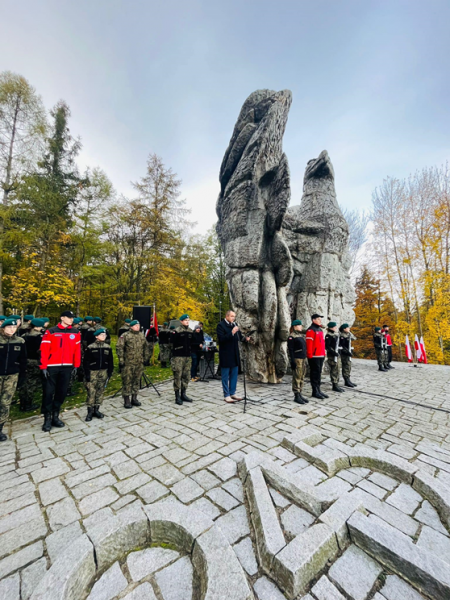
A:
315	342
387	335
61	347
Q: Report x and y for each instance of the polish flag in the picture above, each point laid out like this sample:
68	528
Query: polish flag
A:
418	349
408	352
424	353
155	322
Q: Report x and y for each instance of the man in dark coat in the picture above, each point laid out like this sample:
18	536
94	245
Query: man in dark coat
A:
229	336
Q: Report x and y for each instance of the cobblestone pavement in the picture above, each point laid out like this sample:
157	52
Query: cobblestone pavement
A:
343	498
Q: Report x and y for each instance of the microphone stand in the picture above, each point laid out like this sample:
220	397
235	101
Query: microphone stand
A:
244	365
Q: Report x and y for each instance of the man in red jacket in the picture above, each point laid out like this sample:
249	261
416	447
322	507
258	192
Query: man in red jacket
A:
315	353
387	335
60	354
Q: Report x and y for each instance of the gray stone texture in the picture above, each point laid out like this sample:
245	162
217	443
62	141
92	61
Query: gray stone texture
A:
143	563
355	572
110	584
175	581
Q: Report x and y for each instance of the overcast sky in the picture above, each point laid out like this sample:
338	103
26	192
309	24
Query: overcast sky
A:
370	83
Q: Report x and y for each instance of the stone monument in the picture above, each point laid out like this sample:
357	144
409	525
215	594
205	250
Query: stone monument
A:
317	235
254	196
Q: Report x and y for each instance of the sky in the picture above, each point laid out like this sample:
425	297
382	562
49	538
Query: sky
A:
369	78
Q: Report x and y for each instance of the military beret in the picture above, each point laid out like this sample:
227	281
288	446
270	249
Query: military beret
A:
38	322
88	318
2	317
127	320
377	328
183	317
68	313
14	317
98	319
77	320
28	317
9	323
46	319
331	324
135	322
316	316
166	323
343	326
172	327
296	322
99	331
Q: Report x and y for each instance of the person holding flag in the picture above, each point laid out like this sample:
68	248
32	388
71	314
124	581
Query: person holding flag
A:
378	342
387	335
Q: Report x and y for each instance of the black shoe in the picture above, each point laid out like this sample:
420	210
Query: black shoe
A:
3	437
348	383
317	394
390	366
322	393
47	422
336	388
352	384
184	397
305	400
127	402
97	414
89	414
178	400
56	421
380	368
135	401
298	398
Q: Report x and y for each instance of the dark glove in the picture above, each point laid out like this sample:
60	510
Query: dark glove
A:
293	366
45	373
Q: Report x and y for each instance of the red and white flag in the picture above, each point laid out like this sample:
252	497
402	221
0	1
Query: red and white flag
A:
418	349
155	321
424	353
408	352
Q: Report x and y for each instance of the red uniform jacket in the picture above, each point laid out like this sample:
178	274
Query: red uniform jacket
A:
61	347
315	342
388	337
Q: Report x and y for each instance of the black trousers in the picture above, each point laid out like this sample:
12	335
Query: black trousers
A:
56	386
389	349
315	371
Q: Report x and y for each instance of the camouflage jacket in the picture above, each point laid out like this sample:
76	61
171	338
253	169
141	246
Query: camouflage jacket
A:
132	348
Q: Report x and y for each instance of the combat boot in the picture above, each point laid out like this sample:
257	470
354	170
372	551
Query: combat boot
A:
3	437
89	414
97	414
348	383
184	397
127	402
298	398
178	400
47	422
56	421
322	393
135	401
304	400
336	388
381	368
390	366
317	394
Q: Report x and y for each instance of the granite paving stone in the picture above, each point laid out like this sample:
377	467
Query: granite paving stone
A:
143	563
355	572
175	581
30	577
62	513
110	584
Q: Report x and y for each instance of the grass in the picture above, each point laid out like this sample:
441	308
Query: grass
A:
154	371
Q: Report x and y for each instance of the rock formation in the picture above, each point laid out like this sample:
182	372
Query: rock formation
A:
317	235
254	196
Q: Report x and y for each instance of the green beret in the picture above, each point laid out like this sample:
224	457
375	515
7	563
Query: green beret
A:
46	319
183	317
135	322
37	322
166	323
343	326
172	327
77	320
28	317
15	317
97	319
88	318
128	321
9	322
296	322
331	324
99	331
377	328
2	317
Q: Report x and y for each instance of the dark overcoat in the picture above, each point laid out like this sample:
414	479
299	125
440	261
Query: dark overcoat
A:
228	345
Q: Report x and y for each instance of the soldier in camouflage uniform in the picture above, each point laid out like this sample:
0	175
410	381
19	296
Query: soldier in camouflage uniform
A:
26	326
33	379
164	345
133	352
13	363
379	342
125	327
346	354
98	365
333	349
297	355
181	342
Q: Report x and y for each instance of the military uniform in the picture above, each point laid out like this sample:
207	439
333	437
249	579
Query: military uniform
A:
26	327
164	346
297	354
90	337
133	352
13	363
333	349
33	377
181	342
379	344
125	327
152	338
98	365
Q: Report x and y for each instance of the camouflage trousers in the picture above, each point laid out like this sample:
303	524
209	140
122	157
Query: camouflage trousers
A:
334	366
381	357
298	375
32	385
131	378
164	352
346	366
96	387
181	369
8	385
